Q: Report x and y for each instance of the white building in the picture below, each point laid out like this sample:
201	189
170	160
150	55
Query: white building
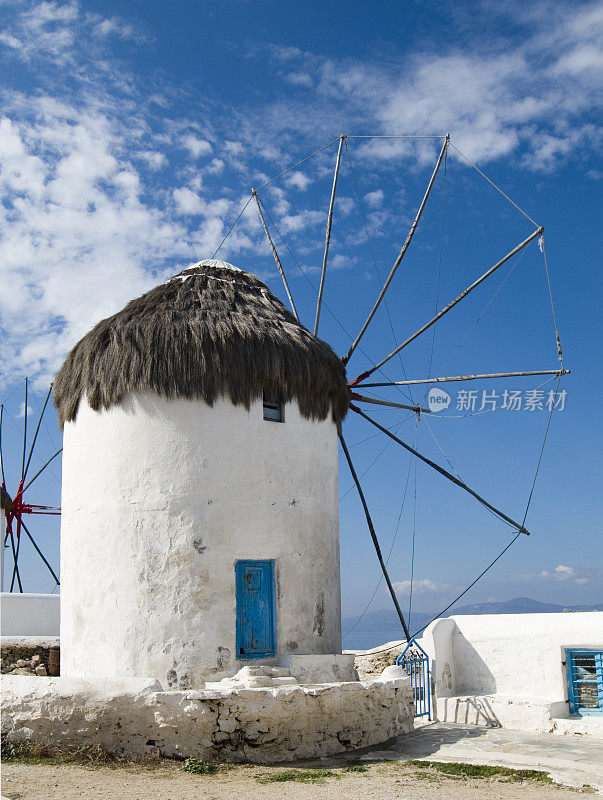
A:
199	527
540	672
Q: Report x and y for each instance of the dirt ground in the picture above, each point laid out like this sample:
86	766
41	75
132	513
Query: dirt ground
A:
392	780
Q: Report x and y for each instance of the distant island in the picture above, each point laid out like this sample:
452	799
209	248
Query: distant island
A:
377	627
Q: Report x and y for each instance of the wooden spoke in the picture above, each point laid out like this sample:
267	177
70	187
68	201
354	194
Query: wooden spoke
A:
452	378
378	402
374	538
40	553
41	470
33	444
450	306
275	254
15	563
24	431
16	566
1	456
328	234
443	472
402	252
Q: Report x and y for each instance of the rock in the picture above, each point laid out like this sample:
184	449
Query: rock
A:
41	670
392	673
35	660
21	663
22	671
371	665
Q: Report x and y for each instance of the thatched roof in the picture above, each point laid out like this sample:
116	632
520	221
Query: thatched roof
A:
212	331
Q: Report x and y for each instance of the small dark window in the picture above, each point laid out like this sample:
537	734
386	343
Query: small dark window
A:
273	407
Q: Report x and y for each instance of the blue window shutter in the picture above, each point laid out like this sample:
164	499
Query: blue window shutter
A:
584	681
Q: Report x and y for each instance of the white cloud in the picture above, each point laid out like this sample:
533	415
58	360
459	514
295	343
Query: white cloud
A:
525	95
196	147
299	222
114	26
297	180
10	41
285	53
341	261
375	198
21	412
300	79
234	148
188	202
54	30
153	159
215	167
281	205
422	586
88	222
560	573
345	205
578	575
76	234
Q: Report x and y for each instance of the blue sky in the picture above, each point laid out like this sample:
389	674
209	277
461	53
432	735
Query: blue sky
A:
130	138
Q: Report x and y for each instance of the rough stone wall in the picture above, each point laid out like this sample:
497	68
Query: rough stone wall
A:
371	663
28	653
134	718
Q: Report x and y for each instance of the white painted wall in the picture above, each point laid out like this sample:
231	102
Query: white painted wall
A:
516	655
29	614
159	499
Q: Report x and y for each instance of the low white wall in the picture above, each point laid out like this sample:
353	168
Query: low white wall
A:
512	665
30	614
130	717
518	655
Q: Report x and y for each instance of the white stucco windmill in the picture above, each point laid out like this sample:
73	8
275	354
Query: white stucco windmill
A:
199	501
200	521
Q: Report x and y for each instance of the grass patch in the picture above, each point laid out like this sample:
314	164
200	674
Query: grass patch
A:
457	769
90	757
355	768
298	775
424	775
27	753
200	767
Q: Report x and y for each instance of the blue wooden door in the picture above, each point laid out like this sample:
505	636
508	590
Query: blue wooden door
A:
256	617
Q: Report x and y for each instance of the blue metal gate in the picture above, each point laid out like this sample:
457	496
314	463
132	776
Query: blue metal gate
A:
415	662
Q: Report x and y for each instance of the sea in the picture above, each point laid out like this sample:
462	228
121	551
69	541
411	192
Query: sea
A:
365	640
378	627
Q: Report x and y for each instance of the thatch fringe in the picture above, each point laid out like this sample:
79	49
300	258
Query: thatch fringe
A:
208	333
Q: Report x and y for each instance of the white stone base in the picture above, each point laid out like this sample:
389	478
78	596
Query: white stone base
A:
331	668
279	722
498	711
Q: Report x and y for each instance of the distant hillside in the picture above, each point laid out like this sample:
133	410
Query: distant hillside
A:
520	605
377	627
